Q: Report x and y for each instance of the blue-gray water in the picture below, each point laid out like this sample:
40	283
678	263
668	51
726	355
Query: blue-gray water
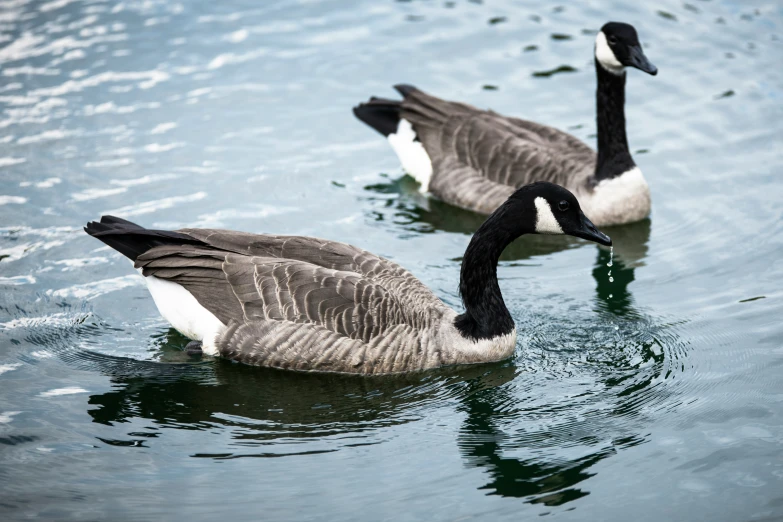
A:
657	396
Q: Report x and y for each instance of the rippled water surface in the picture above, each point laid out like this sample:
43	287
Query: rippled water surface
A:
655	396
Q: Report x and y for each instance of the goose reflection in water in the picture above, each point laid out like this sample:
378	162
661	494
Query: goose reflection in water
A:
271	413
261	405
557	454
549	481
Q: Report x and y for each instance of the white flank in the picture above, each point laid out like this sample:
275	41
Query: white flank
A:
546	223
413	157
605	55
622	199
186	315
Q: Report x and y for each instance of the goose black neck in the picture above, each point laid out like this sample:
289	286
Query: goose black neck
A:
613	155
486	315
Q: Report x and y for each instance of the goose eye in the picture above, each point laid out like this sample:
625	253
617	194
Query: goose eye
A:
612	39
563	205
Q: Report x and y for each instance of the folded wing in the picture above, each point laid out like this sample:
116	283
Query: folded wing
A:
248	277
502	150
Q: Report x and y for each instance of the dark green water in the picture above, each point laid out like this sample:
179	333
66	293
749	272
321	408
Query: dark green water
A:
656	396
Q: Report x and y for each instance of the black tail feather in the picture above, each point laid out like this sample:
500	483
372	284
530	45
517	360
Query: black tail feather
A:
405	89
112	220
132	240
380	114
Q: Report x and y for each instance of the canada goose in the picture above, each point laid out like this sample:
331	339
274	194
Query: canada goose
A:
475	159
309	304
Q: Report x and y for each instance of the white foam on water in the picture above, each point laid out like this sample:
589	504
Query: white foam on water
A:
7	416
95	289
68	390
9	367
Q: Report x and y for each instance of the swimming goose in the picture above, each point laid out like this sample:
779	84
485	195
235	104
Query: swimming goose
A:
309	304
475	159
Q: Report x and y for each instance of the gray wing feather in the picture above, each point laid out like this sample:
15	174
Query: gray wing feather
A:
502	150
406	288
505	154
346	303
321	252
467	188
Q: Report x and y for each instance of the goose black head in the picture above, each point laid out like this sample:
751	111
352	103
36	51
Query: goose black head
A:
617	47
557	211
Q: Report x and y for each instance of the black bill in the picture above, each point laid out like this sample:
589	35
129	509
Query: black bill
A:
589	232
637	59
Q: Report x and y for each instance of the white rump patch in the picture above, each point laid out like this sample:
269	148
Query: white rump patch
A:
185	313
605	55
413	157
546	223
622	199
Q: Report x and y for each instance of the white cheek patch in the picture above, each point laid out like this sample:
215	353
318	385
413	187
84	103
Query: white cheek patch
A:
605	55
545	219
